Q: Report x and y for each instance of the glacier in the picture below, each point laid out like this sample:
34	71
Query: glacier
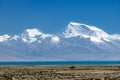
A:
79	42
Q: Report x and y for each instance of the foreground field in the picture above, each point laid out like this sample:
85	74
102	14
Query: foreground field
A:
68	72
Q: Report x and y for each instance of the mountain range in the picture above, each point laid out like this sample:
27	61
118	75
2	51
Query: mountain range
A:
79	42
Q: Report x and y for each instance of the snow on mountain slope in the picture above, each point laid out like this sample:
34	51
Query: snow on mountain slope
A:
78	42
33	35
93	33
16	37
33	32
4	38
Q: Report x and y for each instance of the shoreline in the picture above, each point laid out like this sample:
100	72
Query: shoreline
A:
29	63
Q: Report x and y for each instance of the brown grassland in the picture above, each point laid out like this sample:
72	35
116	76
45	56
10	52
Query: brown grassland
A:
62	72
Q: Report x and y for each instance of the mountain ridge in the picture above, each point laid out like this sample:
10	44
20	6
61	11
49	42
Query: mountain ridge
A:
77	42
73	30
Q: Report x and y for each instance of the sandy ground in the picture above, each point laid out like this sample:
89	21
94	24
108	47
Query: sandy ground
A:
64	72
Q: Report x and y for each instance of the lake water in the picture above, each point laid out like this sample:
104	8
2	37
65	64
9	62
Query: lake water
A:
62	63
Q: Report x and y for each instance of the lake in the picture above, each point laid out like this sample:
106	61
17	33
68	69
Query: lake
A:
61	63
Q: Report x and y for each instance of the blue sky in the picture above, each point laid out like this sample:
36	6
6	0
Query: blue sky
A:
52	16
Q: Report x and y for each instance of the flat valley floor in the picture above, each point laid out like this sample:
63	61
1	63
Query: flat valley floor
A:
62	72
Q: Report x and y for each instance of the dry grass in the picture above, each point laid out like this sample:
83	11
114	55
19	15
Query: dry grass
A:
66	72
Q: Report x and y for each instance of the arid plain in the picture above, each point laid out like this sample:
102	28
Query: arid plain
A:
62	72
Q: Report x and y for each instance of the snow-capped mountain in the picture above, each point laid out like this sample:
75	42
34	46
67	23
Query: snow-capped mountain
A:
77	42
4	38
95	34
33	35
